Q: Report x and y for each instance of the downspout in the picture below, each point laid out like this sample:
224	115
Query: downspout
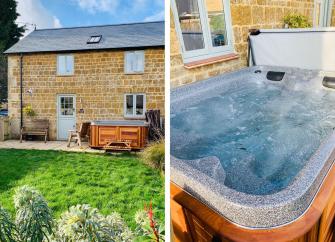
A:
21	90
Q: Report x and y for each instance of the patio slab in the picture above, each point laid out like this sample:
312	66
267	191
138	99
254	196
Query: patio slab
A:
50	145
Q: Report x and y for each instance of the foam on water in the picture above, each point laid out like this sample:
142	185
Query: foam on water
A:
262	132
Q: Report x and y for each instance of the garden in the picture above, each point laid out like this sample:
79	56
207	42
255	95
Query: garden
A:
63	196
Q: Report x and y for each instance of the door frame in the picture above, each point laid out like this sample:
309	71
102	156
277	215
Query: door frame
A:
57	110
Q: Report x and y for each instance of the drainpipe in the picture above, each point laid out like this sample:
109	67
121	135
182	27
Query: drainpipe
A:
21	90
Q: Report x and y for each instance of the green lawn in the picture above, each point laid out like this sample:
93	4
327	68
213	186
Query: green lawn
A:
110	183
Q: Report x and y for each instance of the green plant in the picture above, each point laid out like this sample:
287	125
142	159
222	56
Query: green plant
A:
84	223
29	111
115	229
217	23
294	20
34	221
154	154
7	227
148	228
80	222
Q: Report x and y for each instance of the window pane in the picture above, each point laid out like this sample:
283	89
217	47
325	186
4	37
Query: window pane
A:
189	19
140	61
129	62
129	105
69	64
67	108
139	104
61	65
216	19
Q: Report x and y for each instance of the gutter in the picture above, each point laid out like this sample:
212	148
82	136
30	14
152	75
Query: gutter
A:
21	91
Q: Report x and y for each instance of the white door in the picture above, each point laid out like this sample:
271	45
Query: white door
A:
66	115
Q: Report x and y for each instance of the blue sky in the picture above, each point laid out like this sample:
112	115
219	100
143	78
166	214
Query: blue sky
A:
69	13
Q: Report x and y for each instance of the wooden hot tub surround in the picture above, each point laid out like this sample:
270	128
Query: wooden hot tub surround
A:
103	132
194	221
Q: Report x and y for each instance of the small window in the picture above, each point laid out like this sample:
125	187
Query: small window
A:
134	105
65	65
203	27
134	62
94	39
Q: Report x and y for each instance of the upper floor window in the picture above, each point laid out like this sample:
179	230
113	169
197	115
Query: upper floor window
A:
134	62
203	28
65	65
94	39
134	105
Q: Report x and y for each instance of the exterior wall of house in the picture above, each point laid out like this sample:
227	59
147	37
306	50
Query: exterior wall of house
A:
332	24
99	84
245	14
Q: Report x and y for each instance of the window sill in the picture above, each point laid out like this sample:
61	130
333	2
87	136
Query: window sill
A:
134	73
212	60
64	75
134	117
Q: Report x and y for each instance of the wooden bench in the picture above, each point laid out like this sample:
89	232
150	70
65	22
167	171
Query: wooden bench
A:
36	127
123	145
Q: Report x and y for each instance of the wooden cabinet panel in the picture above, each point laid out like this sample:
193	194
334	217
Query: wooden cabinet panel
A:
101	135
130	134
107	134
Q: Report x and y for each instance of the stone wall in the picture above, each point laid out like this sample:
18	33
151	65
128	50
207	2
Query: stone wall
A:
332	24
246	14
99	83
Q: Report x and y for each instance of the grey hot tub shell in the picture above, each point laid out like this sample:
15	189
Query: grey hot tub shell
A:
204	178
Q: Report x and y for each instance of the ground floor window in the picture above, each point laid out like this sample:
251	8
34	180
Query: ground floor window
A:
203	27
134	105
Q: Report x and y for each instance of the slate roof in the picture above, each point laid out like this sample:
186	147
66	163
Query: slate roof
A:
121	36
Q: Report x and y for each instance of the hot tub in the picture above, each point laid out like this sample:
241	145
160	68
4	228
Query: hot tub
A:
252	150
103	132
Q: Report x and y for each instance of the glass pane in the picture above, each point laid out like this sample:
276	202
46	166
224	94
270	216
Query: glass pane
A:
140	61
216	19
139	104
61	65
129	105
189	19
67	106
69	64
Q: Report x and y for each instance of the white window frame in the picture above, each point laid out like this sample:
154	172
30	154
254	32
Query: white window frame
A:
325	12
126	59
209	50
134	115
67	73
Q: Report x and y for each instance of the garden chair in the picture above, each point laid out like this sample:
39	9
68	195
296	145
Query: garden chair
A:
79	135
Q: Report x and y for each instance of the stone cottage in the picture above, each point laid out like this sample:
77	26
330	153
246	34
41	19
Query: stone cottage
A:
209	37
73	75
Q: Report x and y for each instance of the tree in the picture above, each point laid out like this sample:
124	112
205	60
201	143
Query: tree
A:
10	33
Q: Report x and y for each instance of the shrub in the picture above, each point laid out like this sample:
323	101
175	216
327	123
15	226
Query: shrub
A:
116	229
29	111
7	228
84	223
154	154
33	217
148	228
293	20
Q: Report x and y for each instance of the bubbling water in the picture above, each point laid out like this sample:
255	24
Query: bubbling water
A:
263	133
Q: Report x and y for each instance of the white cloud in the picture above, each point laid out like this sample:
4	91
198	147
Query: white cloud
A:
57	23
93	6
156	17
33	12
